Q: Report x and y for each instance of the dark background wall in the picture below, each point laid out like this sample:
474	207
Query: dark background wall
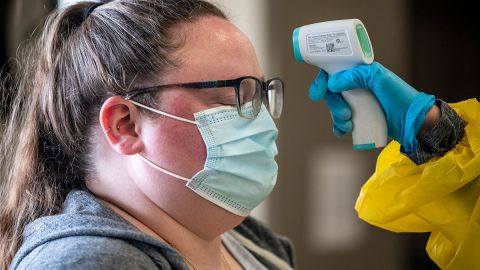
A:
18	19
4	8
446	49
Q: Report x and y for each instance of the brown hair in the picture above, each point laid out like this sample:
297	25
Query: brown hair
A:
73	66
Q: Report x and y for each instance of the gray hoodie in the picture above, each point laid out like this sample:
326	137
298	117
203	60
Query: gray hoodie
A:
88	235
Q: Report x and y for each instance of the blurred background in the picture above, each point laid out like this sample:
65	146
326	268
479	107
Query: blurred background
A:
434	47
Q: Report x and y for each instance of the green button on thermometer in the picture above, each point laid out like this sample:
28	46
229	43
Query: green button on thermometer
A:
364	41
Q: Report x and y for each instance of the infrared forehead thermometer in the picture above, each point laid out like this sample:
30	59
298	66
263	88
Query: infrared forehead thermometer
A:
339	45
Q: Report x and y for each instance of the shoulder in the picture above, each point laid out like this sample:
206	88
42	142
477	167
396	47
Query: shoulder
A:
86	252
265	238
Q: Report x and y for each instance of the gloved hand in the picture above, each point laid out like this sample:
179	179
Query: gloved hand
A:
404	107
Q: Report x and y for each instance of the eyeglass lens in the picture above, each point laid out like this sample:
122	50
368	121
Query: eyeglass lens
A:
251	90
275	97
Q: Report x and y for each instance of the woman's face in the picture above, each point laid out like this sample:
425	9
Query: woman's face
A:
213	49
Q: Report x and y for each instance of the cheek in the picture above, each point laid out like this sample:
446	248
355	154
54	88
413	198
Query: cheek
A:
185	141
175	145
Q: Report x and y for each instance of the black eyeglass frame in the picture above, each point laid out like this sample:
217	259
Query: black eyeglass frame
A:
235	83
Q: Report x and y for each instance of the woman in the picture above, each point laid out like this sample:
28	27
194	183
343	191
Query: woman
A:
138	140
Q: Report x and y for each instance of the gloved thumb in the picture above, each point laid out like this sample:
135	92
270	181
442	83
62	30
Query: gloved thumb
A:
318	88
356	77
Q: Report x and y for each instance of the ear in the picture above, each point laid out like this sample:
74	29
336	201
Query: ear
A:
120	122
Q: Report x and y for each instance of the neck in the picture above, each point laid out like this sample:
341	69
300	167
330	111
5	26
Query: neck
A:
196	250
194	231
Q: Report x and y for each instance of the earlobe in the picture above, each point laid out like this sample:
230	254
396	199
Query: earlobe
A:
120	123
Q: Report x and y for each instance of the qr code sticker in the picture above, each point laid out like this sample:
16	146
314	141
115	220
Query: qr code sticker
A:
330	47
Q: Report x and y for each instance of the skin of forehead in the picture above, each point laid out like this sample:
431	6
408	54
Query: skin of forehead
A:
214	49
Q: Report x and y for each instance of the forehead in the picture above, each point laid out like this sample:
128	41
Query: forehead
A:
213	49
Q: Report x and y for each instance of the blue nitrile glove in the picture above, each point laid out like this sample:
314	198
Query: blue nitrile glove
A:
404	107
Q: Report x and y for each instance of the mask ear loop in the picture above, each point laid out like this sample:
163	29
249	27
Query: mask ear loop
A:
164	113
162	169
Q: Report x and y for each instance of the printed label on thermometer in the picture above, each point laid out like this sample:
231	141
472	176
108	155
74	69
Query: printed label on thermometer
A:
329	43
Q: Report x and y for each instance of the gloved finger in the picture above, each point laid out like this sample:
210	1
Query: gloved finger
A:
338	106
342	125
318	87
356	77
338	133
340	112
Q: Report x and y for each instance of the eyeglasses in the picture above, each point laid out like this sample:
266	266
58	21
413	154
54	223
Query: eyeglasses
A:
247	89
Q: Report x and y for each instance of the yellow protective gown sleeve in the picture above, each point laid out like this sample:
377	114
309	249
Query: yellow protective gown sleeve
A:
441	196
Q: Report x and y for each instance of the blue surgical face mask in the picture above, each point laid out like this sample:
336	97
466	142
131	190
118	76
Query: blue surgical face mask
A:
240	170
